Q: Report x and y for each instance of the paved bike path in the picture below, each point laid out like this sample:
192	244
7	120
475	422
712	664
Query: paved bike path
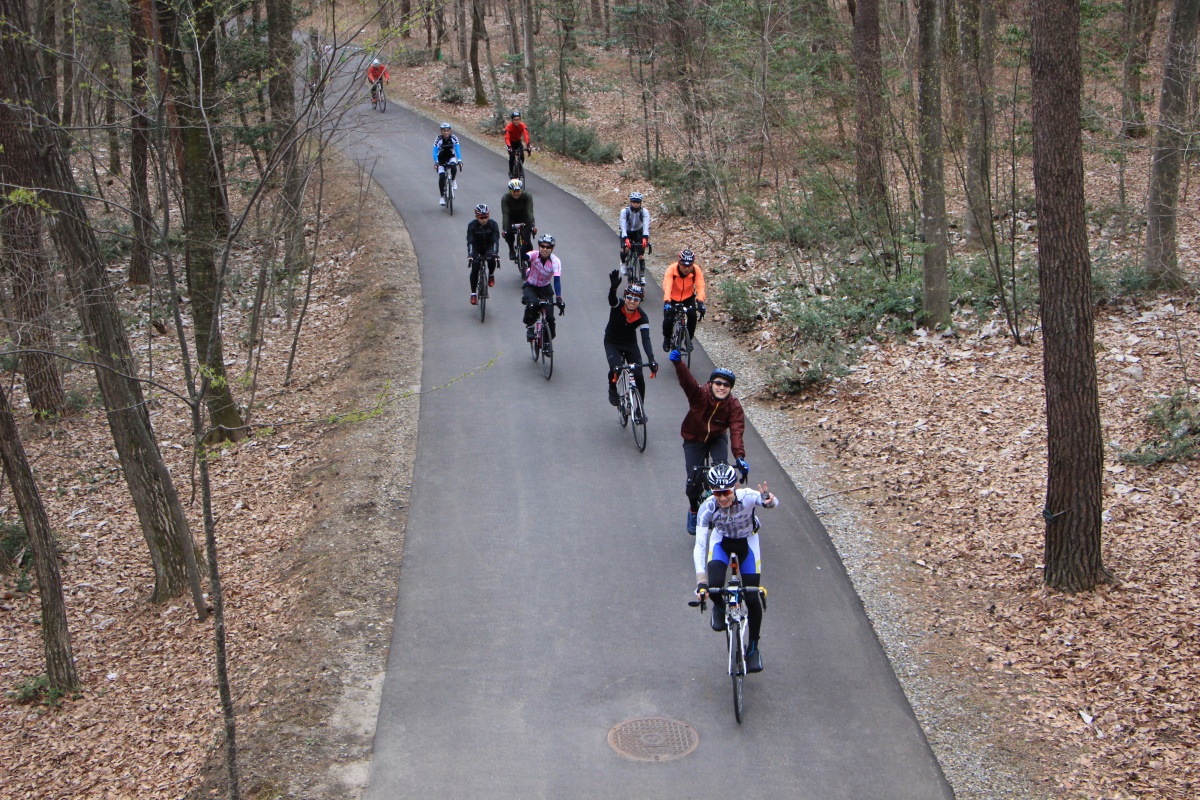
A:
546	570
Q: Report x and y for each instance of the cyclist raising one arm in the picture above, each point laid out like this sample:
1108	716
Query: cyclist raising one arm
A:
712	411
483	240
634	227
447	157
516	139
725	526
625	320
683	285
543	282
516	206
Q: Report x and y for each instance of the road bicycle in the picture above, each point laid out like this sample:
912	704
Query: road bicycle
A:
736	628
448	184
635	263
523	244
629	404
540	346
517	169
378	96
484	266
681	339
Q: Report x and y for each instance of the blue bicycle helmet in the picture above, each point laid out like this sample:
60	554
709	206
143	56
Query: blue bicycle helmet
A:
721	372
721	477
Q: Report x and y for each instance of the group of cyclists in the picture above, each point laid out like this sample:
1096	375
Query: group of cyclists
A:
724	522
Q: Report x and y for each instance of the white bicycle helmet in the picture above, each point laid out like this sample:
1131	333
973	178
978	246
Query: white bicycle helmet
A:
721	477
515	185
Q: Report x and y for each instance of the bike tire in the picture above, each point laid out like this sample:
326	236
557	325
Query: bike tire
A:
685	345
449	195
535	345
738	671
623	409
637	269
638	420
481	291
382	100
547	355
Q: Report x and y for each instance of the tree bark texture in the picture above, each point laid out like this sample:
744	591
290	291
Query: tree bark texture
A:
40	153
977	34
140	63
1140	16
26	262
868	150
56	636
1170	146
513	10
464	43
936	298
530	55
1075	457
477	33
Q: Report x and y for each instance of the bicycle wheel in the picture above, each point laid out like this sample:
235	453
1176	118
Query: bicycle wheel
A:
449	195
738	670
481	291
637	268
382	105
623	409
547	354
639	419
535	344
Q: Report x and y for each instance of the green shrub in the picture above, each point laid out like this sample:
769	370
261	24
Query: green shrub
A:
1115	275
688	187
14	547
450	92
1176	420
817	216
811	364
739	302
34	690
577	142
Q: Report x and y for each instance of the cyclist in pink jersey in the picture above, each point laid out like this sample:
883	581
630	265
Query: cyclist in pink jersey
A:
543	282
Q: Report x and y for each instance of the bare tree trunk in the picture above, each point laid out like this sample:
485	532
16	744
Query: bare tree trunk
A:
868	150
936	304
439	29
477	34
405	19
1170	145
140	50
1140	16
464	45
56	636
41	153
977	20
511	8
535	103
1075	447
25	260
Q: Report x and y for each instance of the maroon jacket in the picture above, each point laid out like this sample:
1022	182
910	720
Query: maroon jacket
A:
708	417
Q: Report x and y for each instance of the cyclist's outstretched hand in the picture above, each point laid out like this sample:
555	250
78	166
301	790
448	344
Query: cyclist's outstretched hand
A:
674	355
614	278
766	493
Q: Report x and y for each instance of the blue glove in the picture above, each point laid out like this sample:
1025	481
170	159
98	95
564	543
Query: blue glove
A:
666	307
745	469
701	307
674	356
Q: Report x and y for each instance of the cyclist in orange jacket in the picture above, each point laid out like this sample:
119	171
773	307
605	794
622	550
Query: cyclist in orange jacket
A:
516	139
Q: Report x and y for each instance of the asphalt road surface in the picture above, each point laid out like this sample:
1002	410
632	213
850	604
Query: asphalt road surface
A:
546	574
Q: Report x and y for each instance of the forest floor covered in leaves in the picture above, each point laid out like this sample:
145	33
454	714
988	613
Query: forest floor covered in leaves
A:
934	444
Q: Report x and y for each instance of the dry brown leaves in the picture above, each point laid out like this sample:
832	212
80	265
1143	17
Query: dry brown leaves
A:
147	717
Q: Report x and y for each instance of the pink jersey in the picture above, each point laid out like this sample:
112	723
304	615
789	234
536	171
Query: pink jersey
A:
541	273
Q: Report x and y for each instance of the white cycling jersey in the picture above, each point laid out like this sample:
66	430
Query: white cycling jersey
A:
714	523
631	221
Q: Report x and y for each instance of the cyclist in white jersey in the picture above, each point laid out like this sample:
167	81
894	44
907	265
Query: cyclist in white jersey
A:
727	525
634	224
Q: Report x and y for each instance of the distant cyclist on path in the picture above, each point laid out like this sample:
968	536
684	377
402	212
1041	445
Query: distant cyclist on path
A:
447	158
683	285
634	225
516	139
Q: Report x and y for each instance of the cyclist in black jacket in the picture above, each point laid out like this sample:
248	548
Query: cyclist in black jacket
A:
625	319
483	240
516	206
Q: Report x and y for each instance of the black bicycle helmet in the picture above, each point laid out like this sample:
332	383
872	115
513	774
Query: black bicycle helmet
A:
721	372
482	210
722	476
687	258
516	115
546	239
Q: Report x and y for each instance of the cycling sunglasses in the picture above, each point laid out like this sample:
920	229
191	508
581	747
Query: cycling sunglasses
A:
726	384
722	492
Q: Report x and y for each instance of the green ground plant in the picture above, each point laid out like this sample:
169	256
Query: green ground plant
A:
1175	420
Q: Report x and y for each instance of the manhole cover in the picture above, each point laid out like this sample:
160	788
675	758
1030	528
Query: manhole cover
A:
653	738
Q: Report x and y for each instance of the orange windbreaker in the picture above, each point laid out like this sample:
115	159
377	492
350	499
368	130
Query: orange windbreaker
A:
677	288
